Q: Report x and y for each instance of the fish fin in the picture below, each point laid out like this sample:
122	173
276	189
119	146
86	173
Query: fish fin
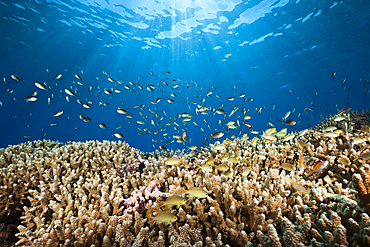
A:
151	222
315	165
297	164
184	191
310	173
161	204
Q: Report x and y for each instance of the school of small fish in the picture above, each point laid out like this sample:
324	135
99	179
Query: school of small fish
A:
157	113
158	121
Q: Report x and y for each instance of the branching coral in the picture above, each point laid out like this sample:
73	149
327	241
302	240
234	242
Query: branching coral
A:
139	199
100	193
361	182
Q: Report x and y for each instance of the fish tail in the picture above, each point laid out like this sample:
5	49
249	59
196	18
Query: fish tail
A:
151	219
151	222
182	193
161	204
297	164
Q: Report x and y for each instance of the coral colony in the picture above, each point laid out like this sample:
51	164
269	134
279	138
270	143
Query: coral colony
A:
309	189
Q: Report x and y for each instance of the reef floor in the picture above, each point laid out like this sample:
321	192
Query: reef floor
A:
308	189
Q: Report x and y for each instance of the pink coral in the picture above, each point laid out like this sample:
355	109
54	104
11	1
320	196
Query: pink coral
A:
130	166
139	199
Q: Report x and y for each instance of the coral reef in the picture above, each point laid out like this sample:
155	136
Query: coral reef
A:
101	193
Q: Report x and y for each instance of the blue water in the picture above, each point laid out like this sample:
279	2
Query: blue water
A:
264	49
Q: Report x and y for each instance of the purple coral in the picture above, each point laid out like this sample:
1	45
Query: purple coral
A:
130	166
140	198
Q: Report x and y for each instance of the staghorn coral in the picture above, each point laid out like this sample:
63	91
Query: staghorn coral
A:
72	194
139	199
271	239
293	236
361	182
132	163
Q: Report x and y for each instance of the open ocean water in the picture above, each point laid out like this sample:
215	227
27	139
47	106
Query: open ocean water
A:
170	65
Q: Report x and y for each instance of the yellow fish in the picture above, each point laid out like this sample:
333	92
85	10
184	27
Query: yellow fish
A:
210	161
229	174
222	167
287	166
299	187
58	114
206	168
289	137
219	147
364	156
173	161
329	180
193	148
173	200
344	161
163	217
195	192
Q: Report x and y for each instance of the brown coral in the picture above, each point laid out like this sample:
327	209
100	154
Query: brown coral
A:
71	194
